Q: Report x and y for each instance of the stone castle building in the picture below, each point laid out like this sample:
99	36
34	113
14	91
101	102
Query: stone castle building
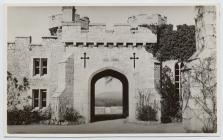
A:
63	69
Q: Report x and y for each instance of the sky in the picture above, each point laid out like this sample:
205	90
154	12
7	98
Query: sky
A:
33	21
108	84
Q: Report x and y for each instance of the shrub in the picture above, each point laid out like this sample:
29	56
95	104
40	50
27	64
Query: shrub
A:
45	113
12	117
166	119
71	115
146	113
18	117
27	115
205	79
16	92
170	103
146	110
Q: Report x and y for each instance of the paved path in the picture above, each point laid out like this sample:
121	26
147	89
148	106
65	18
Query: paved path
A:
112	126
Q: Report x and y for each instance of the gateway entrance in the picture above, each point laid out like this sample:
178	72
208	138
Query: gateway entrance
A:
109	96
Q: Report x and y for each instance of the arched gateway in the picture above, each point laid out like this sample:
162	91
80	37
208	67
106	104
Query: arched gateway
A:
90	53
125	95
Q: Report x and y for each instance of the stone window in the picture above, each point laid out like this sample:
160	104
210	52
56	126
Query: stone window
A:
35	98
39	66
178	67
39	98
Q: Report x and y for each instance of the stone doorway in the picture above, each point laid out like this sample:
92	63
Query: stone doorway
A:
109	73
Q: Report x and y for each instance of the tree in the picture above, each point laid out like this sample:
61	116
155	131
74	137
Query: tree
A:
204	76
16	91
171	109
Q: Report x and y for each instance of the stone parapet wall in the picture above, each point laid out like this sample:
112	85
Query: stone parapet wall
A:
55	20
72	33
153	19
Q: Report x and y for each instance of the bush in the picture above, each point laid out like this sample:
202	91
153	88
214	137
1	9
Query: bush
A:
170	103
27	115
45	114
17	92
166	119
146	111
18	117
71	115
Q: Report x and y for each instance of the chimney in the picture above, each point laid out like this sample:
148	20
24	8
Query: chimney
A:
68	13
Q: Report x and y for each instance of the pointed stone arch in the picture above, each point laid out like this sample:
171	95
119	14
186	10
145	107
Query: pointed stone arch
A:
125	92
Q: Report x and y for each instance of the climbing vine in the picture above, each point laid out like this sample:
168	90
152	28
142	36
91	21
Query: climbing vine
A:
172	44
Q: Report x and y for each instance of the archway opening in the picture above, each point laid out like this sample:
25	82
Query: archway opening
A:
109	96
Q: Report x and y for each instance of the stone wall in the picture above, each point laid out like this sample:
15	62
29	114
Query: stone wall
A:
71	32
20	62
102	58
205	22
153	19
195	116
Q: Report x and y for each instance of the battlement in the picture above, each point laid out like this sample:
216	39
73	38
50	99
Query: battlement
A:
110	44
82	25
71	28
68	15
25	42
141	19
71	32
55	20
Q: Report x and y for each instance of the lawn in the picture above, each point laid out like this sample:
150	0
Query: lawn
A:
112	126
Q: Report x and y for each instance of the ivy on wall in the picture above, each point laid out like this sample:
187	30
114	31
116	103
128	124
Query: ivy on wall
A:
172	44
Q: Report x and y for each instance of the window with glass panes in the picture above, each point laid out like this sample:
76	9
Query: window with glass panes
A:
39	66
178	68
35	98
39	98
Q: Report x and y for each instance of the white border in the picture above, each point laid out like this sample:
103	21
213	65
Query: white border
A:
107	3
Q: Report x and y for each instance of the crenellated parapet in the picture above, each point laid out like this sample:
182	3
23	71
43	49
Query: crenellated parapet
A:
121	33
141	19
70	27
25	43
108	44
